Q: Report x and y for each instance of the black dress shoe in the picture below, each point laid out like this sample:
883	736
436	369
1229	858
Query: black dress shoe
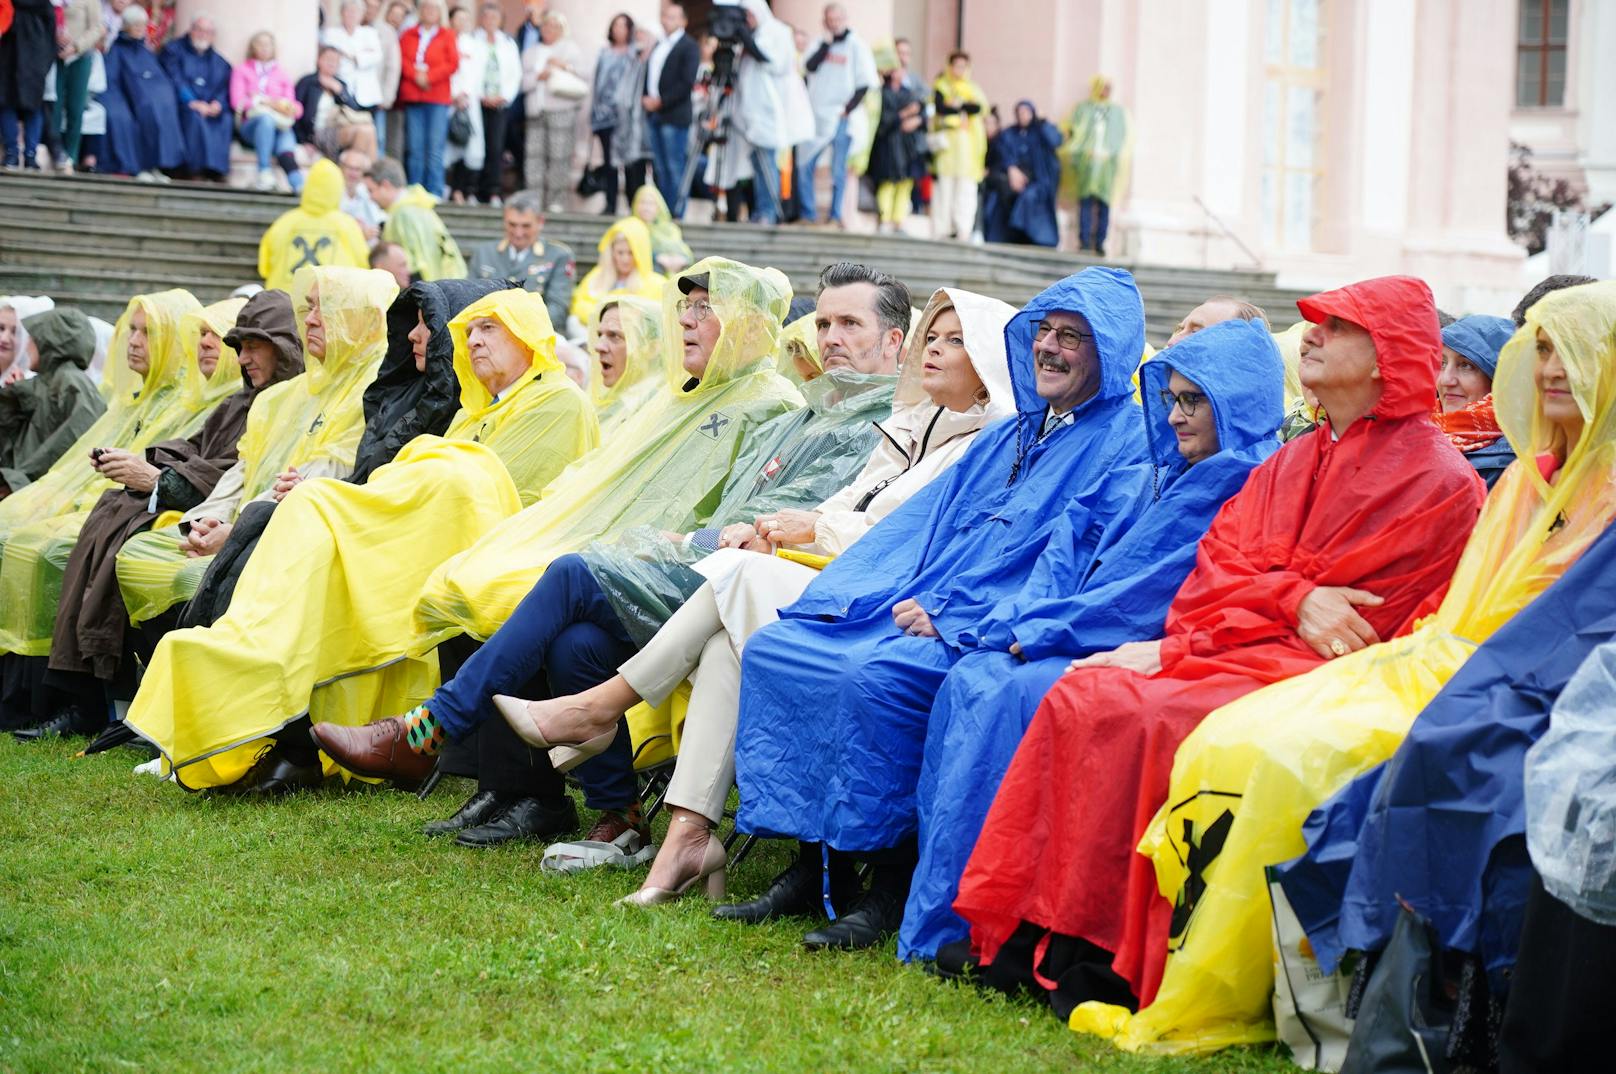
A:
956	961
876	918
478	809
525	818
275	774
797	892
67	723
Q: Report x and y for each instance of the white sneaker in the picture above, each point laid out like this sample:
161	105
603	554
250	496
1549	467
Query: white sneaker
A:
147	176
153	767
266	180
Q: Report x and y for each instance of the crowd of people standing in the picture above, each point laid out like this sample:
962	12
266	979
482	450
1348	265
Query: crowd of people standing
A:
472	111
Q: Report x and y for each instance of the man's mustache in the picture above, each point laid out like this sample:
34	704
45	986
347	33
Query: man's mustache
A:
1053	363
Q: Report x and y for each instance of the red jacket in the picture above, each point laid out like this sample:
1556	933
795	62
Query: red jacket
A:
442	59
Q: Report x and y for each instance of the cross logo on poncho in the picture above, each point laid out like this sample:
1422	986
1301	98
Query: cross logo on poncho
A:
318	421
713	425
311	255
1202	843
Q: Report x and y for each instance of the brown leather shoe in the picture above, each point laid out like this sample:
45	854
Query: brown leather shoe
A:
379	750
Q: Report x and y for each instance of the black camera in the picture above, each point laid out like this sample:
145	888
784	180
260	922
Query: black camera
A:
728	24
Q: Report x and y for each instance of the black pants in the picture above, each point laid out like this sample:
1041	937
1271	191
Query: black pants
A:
218	585
609	187
1080	971
1560	996
490	181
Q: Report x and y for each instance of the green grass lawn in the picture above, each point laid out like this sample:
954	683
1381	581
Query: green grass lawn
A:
146	929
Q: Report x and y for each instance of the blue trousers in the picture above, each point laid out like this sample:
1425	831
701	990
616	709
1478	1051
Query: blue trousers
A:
30	124
426	132
765	186
271	142
840	145
1093	221
670	151
563	638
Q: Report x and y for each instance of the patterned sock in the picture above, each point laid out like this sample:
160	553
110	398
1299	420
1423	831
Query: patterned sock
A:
422	731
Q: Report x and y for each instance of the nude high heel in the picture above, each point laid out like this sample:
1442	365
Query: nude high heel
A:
714	866
518	712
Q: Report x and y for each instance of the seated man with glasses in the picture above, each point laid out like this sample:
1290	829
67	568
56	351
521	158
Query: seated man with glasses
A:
835	695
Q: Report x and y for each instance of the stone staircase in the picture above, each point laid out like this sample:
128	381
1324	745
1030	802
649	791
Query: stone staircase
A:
93	242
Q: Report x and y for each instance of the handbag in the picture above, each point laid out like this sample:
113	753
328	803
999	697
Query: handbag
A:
1403	1022
281	120
460	127
566	85
1310	1006
593	181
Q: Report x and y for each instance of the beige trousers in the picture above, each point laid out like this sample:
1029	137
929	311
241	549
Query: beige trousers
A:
953	208
694	645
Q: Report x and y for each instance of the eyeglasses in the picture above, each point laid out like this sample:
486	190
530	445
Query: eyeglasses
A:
1185	401
1070	339
699	306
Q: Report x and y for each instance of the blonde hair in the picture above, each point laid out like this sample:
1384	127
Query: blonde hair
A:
252	45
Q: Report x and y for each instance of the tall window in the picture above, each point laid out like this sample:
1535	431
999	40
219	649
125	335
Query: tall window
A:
1293	108
1540	54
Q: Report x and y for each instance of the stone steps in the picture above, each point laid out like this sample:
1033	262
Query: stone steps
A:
93	241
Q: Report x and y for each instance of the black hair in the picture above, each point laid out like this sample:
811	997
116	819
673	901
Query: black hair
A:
1544	286
892	304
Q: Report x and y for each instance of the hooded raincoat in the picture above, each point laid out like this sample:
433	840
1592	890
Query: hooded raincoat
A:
665	469
667	240
311	424
1028	216
361	554
834	697
42	416
1439	824
1386	508
1474	429
1096	586
641	380
90	619
1266	768
592	291
1098	144
318	232
413	223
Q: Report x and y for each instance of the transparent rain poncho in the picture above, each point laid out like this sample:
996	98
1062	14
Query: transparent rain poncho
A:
317	417
641	381
666	468
360	554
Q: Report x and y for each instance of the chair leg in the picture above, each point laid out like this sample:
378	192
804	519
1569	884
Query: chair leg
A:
432	780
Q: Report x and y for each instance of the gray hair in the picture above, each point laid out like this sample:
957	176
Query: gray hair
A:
1244	309
387	170
526	201
892	305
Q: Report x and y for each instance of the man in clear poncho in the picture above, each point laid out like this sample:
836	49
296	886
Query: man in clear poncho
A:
1096	152
361	554
667	472
625	369
305	428
40	417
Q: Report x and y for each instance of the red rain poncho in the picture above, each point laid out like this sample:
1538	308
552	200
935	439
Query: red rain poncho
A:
1387	508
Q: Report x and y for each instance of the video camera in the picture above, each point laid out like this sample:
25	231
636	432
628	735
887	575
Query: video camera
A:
727	24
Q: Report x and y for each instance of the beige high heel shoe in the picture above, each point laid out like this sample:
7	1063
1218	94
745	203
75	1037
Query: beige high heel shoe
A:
714	866
564	757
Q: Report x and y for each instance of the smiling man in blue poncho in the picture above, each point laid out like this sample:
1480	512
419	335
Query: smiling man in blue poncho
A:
1212	404
834	697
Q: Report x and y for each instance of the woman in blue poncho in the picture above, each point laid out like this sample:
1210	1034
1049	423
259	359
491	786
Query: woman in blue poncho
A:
1023	179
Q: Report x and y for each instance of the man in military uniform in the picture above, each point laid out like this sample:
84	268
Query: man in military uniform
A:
546	268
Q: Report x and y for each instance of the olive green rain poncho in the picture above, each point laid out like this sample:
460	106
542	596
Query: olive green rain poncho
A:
42	416
665	469
360	554
311	423
798	460
641	381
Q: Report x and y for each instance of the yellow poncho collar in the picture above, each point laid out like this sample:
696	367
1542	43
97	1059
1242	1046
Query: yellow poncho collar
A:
524	315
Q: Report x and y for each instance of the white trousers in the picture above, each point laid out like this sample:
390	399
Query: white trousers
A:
953	208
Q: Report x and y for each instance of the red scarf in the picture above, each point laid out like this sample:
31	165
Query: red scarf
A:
1471	428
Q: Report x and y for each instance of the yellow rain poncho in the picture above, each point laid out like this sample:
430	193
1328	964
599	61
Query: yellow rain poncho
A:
316	233
359	555
600	283
799	350
641	380
1099	145
665	469
225	380
1289	343
964	150
1268	759
413	223
669	252
311	423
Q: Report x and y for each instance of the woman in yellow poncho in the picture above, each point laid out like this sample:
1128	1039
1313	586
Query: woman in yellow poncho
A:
160	394
360	554
623	267
669	252
799	351
664	469
1255	768
625	367
304	428
960	160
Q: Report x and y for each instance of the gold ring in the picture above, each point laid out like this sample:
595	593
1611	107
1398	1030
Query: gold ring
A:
1338	647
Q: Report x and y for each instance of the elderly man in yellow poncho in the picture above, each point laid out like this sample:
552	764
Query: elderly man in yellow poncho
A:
360	554
1255	768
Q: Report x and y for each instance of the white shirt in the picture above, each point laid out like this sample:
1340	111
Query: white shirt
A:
659	59
361	61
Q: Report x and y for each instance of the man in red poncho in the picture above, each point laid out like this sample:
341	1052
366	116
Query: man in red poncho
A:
1342	538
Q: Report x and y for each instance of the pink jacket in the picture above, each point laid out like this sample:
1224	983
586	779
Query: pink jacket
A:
244	85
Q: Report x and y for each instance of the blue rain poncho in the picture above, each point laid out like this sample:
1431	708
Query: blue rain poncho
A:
798	460
834	690
1096	587
1441	825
